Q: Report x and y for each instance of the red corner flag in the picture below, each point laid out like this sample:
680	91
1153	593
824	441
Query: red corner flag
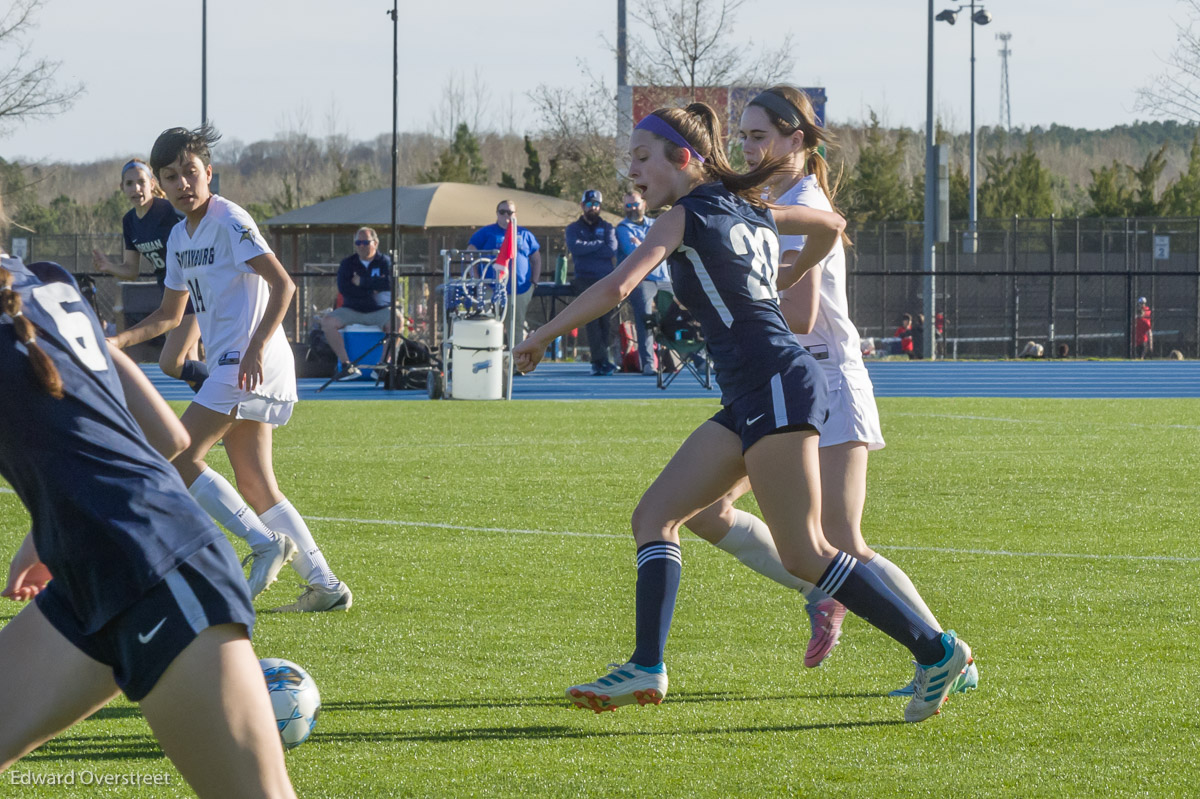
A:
508	250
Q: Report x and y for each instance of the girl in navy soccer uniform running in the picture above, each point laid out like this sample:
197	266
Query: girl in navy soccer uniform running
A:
780	123
147	597
146	227
722	248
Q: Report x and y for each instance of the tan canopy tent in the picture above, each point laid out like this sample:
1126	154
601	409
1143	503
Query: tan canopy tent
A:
430	205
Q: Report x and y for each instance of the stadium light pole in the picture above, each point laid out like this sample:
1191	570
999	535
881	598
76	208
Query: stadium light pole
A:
391	349
203	62
978	17
929	256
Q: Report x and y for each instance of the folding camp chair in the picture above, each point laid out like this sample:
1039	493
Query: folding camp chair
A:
678	343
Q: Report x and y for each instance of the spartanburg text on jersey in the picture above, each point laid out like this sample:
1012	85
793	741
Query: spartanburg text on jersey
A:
110	516
834	340
724	274
230	298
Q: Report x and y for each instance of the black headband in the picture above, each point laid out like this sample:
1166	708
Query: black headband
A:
780	106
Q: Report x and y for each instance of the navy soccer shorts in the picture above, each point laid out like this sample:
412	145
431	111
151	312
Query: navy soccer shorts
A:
794	399
209	588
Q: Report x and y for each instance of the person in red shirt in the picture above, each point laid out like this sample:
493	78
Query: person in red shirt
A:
1143	334
905	334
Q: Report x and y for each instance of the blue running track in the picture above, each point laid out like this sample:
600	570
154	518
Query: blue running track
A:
1071	380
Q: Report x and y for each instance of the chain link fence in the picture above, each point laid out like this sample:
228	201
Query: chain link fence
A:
1051	281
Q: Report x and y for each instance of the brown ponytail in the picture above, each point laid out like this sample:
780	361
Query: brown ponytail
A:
43	368
700	127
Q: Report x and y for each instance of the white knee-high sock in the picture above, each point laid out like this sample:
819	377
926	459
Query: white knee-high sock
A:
222	502
749	540
894	578
309	563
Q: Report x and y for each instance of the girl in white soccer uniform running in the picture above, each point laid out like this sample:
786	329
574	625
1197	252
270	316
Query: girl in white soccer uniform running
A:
780	122
240	293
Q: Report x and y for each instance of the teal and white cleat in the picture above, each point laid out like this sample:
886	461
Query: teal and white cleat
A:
623	685
932	683
968	680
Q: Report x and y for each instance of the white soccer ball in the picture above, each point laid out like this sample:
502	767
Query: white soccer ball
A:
295	698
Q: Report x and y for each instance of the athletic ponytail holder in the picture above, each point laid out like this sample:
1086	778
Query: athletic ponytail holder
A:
660	127
137	165
780	106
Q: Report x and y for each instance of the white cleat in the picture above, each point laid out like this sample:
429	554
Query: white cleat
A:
623	685
266	561
319	598
932	683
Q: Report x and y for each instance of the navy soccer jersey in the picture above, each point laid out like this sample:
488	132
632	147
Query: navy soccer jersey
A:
149	234
111	517
724	273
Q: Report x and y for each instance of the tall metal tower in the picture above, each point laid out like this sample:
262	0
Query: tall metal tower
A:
1005	103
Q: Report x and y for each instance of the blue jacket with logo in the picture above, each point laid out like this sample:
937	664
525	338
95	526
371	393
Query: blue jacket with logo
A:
593	248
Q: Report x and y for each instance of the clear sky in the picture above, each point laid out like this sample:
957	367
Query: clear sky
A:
271	62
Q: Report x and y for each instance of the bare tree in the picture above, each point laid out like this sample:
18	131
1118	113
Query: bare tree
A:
692	47
27	86
577	136
1175	92
461	103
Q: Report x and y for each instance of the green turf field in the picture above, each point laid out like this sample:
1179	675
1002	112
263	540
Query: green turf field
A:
487	546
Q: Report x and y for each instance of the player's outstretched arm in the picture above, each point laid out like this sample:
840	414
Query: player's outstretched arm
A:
159	424
165	318
821	230
127	269
663	239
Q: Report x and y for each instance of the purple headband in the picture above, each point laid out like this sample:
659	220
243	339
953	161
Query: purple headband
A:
660	127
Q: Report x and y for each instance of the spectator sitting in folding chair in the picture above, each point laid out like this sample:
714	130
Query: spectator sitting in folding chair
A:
365	282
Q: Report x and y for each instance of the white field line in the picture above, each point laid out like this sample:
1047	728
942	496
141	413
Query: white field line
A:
1004	553
690	540
1034	421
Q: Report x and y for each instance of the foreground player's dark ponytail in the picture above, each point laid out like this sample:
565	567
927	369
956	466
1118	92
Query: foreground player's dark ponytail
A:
700	127
10	305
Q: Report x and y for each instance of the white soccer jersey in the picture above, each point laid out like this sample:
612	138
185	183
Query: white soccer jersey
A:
834	340
230	298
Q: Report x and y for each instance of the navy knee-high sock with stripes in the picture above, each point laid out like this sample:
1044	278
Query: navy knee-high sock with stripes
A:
659	566
866	596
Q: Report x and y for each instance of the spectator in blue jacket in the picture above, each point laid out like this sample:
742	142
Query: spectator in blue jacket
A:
529	262
593	245
631	231
365	282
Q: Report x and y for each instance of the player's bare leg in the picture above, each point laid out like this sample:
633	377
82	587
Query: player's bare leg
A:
212	716
48	684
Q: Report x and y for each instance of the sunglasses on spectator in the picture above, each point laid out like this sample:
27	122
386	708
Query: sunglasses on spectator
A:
631	206
362	242
504	213
591	205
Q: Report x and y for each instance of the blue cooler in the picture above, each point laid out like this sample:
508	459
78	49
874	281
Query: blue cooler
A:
359	339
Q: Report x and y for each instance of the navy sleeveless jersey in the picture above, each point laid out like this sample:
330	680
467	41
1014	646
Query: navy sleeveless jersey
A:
149	234
111	517
724	274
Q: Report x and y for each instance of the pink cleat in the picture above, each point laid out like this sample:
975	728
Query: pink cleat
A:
826	620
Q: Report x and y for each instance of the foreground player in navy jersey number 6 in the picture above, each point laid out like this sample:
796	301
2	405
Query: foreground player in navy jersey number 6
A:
146	597
722	250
